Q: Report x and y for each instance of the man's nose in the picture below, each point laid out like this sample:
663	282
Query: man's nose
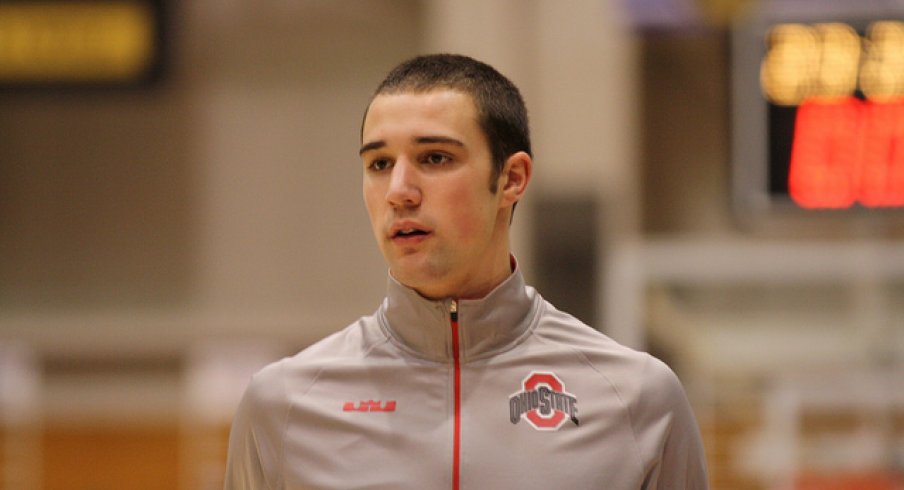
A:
404	190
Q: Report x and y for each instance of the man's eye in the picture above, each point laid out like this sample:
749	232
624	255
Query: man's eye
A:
436	159
379	165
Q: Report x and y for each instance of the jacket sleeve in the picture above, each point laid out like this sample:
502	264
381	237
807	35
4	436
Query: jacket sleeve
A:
668	433
256	435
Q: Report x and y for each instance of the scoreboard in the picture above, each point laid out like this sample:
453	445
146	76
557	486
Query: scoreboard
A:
818	107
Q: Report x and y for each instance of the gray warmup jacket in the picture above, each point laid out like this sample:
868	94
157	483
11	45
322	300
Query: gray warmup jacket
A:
505	392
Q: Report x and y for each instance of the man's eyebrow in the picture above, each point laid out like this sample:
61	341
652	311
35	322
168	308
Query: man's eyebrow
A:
373	145
438	139
421	140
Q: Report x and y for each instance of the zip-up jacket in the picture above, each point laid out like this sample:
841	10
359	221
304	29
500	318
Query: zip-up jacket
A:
504	392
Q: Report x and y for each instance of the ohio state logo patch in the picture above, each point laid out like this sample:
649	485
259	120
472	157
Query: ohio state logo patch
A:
543	402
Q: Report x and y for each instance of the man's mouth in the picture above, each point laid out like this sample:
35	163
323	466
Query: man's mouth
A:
409	232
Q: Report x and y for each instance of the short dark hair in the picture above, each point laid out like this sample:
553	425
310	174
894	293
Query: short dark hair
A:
501	112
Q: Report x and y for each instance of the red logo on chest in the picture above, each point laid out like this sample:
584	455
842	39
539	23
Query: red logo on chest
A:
543	402
369	406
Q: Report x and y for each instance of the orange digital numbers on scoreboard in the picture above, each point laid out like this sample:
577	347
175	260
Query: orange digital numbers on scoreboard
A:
882	154
824	158
846	150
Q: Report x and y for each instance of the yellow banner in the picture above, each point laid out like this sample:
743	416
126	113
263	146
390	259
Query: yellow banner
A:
84	41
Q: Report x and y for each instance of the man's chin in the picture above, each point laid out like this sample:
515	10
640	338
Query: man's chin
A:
414	273
407	276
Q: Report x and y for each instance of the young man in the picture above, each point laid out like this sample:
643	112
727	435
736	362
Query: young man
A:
464	377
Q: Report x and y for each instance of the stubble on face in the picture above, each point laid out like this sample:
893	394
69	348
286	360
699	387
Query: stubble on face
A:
465	238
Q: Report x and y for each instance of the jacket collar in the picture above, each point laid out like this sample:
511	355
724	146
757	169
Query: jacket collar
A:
487	325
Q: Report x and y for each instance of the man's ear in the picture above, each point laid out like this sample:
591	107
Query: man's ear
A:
514	178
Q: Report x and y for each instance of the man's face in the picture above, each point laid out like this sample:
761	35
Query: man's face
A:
427	168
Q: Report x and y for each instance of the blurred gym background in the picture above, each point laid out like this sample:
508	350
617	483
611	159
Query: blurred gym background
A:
180	204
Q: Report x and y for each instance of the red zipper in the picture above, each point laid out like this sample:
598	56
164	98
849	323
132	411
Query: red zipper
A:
456	377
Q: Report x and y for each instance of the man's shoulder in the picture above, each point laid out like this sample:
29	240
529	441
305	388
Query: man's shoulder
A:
560	328
632	372
342	347
352	341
